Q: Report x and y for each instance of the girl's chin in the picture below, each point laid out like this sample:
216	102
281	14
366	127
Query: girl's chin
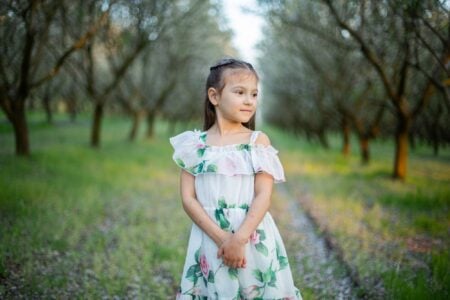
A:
247	118
244	120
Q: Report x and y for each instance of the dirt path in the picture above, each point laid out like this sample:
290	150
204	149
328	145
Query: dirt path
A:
316	268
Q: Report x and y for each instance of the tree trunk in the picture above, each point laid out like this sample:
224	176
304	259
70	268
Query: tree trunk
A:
150	124
323	139
72	109
436	133
435	147
346	137
365	151
48	109
401	147
135	125
96	125
20	126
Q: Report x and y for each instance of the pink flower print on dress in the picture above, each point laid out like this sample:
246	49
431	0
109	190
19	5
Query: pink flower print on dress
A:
196	291
204	265
228	166
251	292
254	238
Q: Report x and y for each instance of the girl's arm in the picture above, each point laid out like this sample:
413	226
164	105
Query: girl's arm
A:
261	202
259	207
196	212
232	249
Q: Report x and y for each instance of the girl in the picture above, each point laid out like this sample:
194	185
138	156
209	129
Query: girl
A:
235	250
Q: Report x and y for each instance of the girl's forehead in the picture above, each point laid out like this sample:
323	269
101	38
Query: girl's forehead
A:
236	76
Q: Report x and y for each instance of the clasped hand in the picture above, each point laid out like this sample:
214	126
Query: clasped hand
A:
232	251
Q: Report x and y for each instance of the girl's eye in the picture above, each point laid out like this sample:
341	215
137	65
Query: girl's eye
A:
240	92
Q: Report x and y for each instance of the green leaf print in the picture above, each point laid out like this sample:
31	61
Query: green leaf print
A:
271	278
203	137
180	162
282	260
193	273
244	147
267	278
262	234
200	152
200	167
239	294
244	206
224	223
211	168
221	202
262	249
258	275
211	277
197	256
233	273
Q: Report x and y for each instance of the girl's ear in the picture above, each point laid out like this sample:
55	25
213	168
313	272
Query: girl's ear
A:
213	96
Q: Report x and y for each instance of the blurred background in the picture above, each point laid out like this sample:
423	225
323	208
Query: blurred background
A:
355	96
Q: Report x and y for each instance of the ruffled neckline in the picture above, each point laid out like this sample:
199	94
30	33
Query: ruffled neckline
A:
202	135
196	157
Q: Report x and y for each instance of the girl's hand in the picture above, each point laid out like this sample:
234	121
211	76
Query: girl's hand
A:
232	251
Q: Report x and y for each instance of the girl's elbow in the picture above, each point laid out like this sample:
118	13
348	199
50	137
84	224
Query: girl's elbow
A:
186	202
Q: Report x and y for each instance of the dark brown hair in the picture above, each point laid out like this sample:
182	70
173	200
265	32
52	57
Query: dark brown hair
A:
215	80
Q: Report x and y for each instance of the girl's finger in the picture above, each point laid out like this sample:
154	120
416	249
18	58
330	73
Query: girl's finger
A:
220	252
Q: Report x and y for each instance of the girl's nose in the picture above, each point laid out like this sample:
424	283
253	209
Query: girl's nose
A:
248	100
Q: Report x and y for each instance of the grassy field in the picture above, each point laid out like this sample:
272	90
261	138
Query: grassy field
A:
82	223
90	223
393	235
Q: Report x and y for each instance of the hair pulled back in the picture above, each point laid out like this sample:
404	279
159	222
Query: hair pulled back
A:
215	80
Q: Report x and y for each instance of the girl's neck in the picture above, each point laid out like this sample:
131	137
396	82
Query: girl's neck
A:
226	128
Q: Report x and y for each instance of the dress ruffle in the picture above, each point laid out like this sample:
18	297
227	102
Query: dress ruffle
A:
265	159
196	157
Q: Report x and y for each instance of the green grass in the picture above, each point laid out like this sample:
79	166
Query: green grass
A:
85	223
393	233
82	223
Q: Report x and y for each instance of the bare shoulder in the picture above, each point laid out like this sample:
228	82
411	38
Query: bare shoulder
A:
262	139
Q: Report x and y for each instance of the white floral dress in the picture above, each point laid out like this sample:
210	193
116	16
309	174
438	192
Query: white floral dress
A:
224	185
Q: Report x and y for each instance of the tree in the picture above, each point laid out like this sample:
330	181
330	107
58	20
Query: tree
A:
394	70
30	29
404	43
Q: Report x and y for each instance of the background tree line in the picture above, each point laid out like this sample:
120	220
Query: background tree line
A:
375	68
372	68
139	57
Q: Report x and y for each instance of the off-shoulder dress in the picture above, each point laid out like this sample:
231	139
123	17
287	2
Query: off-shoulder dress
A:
224	185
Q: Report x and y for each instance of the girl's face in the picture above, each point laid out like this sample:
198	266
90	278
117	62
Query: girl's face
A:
238	100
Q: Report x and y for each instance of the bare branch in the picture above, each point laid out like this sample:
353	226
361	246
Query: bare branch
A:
80	43
438	35
368	53
432	52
